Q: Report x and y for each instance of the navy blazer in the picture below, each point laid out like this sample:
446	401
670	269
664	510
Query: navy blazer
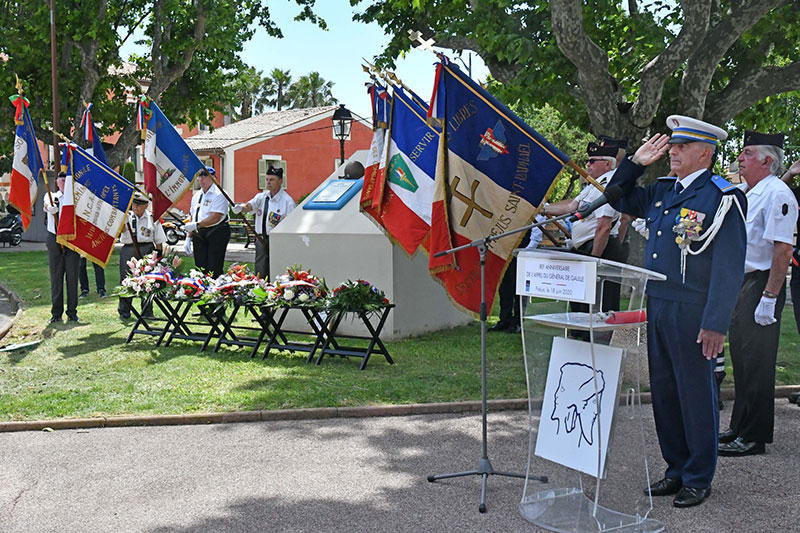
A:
714	277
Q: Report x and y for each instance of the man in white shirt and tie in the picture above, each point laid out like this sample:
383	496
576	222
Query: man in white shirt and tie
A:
271	206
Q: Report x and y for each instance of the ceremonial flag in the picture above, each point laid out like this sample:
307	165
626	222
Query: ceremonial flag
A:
90	135
381	104
170	166
27	163
492	171
94	207
410	168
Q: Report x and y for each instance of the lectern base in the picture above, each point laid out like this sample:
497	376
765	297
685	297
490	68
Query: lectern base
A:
568	510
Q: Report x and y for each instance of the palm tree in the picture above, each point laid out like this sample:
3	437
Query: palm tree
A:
248	87
311	90
275	89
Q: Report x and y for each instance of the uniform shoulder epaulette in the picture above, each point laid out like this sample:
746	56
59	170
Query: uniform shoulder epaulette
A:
723	184
667	178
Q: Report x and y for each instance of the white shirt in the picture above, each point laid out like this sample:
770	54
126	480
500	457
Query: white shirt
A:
279	206
51	219
536	234
771	218
211	201
688	180
583	230
146	229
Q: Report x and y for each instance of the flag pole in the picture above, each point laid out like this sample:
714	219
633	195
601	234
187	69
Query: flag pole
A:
244	219
53	75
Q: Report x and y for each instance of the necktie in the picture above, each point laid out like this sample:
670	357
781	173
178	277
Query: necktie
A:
264	215
197	211
678	188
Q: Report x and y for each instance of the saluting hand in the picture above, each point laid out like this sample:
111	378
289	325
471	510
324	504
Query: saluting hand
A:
712	342
652	150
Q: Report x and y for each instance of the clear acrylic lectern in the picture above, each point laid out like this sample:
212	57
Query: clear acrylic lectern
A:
586	426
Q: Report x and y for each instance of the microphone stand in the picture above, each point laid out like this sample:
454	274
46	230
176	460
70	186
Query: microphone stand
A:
485	465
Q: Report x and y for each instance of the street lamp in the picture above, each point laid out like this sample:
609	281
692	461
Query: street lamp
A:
342	120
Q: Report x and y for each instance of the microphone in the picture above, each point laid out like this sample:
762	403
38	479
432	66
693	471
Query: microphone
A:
612	194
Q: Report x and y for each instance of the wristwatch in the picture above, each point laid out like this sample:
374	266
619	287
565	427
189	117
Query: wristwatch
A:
769	294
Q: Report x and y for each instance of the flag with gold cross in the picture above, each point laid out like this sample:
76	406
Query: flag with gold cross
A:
492	171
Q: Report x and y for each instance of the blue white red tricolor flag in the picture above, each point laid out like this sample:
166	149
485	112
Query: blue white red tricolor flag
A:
409	170
170	166
94	206
90	135
27	163
381	107
492	171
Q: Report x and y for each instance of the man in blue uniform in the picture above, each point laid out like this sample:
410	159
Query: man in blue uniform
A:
697	239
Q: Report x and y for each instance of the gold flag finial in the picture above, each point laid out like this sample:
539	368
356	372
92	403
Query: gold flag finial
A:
20	90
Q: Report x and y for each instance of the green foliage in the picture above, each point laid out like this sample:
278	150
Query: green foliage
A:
311	90
194	58
357	296
129	171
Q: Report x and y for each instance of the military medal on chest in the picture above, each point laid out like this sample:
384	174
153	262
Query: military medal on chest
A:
688	225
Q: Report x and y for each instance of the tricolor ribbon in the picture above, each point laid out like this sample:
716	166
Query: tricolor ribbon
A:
143	115
17	100
86	123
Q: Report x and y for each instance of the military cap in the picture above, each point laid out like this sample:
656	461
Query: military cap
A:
615	143
752	138
139	198
598	150
690	130
275	171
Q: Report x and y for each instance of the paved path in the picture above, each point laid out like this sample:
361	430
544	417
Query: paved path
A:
347	475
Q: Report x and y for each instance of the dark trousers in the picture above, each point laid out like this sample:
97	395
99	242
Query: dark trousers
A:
509	299
683	391
63	265
261	264
209	248
99	276
754	351
794	284
127	253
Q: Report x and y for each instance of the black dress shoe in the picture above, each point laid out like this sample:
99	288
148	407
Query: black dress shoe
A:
513	328
72	318
665	487
500	326
690	496
54	319
727	436
794	397
740	447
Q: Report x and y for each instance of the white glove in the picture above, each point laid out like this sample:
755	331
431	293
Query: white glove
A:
188	246
765	312
52	209
190	227
640	226
237	208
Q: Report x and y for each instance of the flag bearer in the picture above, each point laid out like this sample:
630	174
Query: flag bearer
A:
209	230
63	261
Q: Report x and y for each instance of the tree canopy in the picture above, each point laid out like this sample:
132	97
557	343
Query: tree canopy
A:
194	56
617	68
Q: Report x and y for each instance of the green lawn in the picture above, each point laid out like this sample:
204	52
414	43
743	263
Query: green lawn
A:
87	369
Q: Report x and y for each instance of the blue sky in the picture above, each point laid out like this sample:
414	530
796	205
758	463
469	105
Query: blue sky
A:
336	53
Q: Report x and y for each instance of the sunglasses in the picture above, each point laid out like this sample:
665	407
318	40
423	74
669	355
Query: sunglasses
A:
592	161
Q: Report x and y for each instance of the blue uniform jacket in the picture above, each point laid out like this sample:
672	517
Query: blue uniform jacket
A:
714	277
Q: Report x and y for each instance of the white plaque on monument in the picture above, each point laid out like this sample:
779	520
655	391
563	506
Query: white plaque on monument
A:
575	281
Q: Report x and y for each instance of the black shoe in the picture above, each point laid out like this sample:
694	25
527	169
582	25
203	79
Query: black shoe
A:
84	293
500	326
665	487
740	447
690	496
54	319
73	318
794	397
727	436
101	293
513	328
124	316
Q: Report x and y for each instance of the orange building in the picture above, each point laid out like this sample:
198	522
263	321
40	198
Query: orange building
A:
301	141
